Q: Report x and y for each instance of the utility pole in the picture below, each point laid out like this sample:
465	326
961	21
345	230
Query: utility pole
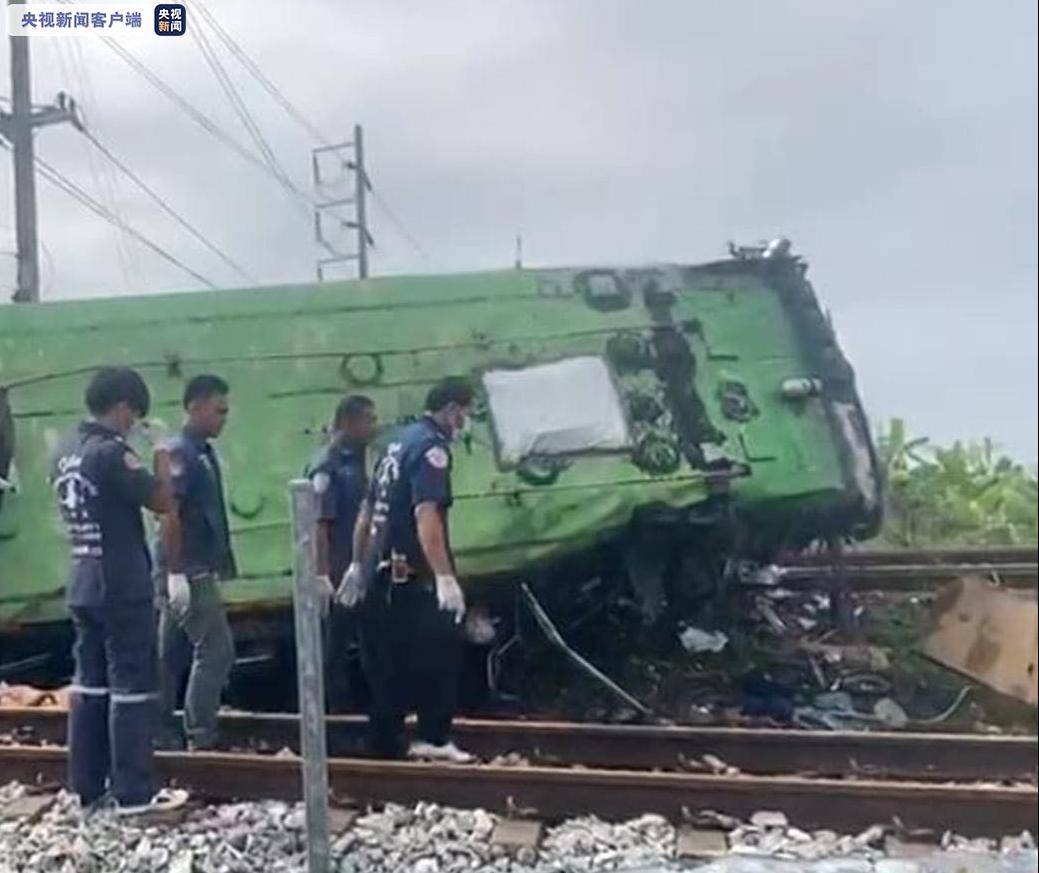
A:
361	189
351	159
17	128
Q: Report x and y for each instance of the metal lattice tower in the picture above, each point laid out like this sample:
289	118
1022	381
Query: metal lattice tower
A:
341	202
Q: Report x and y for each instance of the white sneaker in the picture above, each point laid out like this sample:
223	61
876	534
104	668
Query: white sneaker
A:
420	750
165	800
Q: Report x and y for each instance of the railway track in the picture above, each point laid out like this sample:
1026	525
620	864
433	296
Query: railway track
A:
554	793
907	577
966	555
977	785
915	569
833	780
836	754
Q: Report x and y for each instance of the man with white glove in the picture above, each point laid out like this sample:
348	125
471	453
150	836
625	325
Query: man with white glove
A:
178	593
340	481
193	555
100	485
404	579
449	596
351	588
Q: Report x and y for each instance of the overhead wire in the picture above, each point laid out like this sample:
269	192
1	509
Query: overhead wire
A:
235	99
266	161
397	223
63	183
258	74
254	69
242	111
111	182
101	181
169	210
200	118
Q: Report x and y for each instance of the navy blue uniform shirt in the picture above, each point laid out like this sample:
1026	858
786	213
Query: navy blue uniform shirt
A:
416	468
101	485
205	541
340	482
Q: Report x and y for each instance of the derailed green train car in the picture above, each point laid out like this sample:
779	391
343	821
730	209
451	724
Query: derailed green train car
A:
685	395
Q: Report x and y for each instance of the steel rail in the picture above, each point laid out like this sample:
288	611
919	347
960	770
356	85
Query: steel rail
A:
890	755
933	555
554	793
905	577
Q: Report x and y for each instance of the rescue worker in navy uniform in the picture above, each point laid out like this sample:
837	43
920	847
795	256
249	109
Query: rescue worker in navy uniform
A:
403	575
101	486
193	556
340	480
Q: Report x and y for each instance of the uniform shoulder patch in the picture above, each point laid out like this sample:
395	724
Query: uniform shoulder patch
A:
132	461
321	481
437	457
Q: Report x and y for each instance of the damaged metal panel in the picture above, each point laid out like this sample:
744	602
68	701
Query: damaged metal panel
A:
698	358
988	633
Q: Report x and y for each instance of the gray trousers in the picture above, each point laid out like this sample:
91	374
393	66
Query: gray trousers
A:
197	643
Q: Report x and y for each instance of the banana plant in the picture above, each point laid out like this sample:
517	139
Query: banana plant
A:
967	493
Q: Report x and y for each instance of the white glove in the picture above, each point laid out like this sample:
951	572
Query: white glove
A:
153	432
178	590
450	597
351	588
325	591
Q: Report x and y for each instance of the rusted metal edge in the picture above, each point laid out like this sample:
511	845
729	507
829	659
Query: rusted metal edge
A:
559	793
922	756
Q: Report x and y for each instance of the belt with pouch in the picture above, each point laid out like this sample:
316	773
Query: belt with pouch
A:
400	569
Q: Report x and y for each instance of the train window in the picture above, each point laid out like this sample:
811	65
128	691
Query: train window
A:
566	407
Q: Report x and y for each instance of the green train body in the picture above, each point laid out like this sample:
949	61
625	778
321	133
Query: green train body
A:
719	383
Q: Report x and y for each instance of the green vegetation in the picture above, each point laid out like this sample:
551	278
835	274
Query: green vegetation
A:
966	494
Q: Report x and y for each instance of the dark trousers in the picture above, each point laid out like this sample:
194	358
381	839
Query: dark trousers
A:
340	638
112	707
411	655
198	643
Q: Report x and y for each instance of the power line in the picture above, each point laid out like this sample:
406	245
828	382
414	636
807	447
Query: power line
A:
199	118
82	68
268	163
397	223
65	184
103	183
253	68
60	181
242	111
258	73
194	114
167	208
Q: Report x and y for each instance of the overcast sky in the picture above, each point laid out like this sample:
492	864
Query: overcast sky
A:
893	142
